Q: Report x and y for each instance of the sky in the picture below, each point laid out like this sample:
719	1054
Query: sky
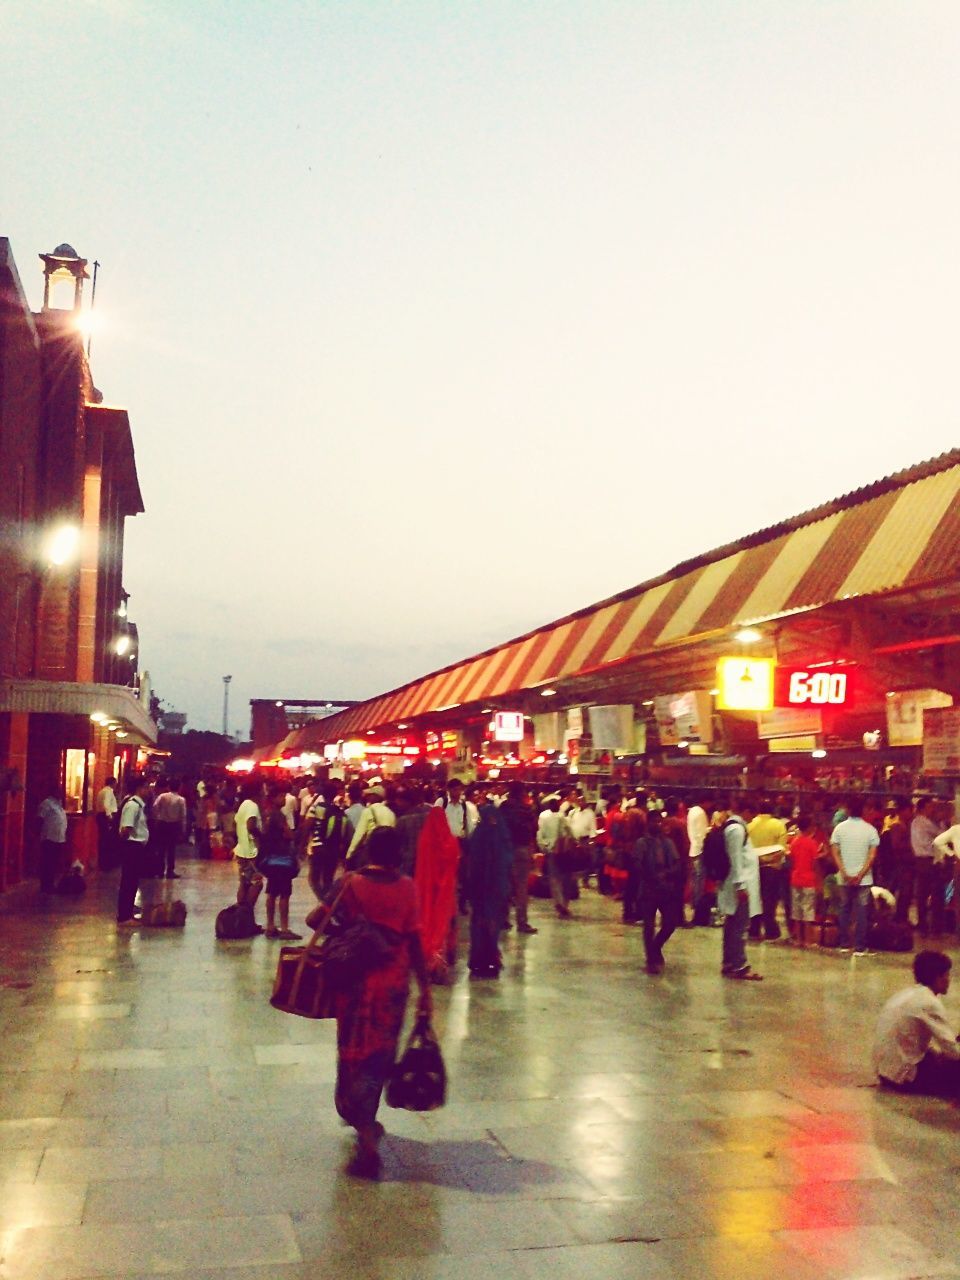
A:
437	321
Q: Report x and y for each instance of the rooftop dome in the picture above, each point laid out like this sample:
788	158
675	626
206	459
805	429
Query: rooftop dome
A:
64	251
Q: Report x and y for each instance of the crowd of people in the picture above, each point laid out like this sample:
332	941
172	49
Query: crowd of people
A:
851	878
413	859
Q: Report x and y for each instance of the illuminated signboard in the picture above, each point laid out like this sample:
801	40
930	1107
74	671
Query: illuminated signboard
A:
508	726
745	684
821	686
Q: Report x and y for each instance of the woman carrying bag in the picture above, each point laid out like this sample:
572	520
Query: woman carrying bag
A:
370	1010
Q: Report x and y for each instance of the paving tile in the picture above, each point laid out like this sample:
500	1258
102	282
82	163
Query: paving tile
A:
24	1205
866	1253
597	1125
186	1244
97	1164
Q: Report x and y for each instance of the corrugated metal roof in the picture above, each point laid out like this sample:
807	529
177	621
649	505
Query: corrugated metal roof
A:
902	531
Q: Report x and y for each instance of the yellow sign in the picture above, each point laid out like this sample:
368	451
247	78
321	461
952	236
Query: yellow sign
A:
745	684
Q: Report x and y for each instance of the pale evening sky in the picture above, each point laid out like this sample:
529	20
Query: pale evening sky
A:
436	321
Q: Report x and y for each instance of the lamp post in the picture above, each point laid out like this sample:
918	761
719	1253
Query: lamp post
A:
226	701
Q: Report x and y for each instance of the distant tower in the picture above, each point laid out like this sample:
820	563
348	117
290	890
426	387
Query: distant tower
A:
64	272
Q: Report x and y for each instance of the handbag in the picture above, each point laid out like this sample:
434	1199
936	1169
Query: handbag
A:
419	1080
358	948
302	985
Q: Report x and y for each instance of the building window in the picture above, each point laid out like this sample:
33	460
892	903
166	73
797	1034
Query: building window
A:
74	779
88	789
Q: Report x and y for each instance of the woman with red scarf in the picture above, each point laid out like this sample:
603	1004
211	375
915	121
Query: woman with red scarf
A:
438	855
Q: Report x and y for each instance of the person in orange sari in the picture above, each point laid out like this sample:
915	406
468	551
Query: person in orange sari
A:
438	855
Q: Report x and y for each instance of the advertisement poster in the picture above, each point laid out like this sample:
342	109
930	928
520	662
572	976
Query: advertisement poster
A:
905	714
684	717
941	740
611	727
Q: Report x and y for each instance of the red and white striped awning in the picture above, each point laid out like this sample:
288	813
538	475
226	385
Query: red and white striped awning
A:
900	533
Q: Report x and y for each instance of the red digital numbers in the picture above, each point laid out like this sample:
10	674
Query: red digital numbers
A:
813	686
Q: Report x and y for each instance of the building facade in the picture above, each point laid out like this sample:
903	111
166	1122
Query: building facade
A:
70	715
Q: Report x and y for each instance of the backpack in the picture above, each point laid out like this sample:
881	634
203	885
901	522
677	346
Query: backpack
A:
328	832
716	860
72	883
662	862
236	921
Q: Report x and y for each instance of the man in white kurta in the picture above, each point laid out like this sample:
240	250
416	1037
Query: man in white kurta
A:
738	898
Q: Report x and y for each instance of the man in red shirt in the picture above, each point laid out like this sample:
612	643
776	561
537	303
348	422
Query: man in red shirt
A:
804	851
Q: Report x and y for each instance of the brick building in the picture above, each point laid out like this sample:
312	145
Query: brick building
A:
70	714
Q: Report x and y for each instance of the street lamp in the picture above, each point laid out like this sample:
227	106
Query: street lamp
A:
226	701
62	545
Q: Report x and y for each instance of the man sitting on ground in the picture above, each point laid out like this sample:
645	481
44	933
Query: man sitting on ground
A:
914	1048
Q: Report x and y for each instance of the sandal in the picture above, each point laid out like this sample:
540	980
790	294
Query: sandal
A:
744	975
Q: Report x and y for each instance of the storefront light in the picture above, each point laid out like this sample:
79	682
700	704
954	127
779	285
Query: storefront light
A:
819	754
548	693
99	717
122	645
748	635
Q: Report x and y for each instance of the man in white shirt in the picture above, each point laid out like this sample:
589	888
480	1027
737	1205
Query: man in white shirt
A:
134	834
854	845
914	1048
462	814
105	807
53	840
698	825
553	832
289	809
582	819
930	877
738	897
169	818
249	829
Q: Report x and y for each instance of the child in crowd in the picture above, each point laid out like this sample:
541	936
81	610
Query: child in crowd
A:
804	851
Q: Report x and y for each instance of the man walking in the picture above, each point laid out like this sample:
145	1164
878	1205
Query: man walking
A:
517	813
661	891
854	846
738	897
553	840
169	815
134	834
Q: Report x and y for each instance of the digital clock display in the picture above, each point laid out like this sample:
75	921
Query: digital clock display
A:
826	686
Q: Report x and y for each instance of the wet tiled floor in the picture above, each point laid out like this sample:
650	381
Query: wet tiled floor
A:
157	1116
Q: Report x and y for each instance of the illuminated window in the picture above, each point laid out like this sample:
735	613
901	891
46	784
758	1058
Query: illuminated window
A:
91	767
74	779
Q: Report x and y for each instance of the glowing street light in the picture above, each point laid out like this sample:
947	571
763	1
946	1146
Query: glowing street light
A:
62	545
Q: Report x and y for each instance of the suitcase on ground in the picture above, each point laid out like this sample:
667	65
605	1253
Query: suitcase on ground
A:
165	915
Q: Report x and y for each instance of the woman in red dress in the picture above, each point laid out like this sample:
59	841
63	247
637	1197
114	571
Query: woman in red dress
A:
370	1012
